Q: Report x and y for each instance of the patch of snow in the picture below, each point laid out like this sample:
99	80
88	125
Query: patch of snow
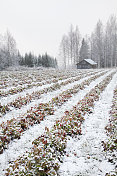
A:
90	61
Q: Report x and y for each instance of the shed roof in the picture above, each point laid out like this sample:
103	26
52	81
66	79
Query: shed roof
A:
90	61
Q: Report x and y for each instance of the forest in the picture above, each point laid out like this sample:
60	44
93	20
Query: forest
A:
100	46
10	56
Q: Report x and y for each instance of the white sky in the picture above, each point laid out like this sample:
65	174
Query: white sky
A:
38	25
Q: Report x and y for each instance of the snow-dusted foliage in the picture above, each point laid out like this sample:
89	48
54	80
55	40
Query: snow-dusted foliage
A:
49	110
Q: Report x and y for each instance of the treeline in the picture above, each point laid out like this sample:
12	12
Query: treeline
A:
11	57
31	60
101	46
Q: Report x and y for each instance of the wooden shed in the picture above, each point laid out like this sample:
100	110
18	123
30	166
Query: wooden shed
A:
86	64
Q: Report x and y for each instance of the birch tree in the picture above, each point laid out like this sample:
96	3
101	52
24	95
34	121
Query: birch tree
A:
71	44
64	51
69	47
77	45
97	45
111	42
10	49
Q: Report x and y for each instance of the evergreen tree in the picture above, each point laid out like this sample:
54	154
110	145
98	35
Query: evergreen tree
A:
39	62
84	50
30	60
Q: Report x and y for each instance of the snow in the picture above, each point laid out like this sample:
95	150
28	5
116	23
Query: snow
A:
25	143
44	99
10	98
90	61
85	155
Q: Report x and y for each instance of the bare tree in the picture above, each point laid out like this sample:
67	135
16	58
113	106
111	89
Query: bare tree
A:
71	43
111	42
69	47
77	43
10	49
64	50
97	47
104	43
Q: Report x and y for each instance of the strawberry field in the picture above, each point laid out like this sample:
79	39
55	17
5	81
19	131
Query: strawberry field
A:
56	122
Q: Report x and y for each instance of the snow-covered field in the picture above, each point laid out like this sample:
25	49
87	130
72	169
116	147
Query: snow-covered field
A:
53	122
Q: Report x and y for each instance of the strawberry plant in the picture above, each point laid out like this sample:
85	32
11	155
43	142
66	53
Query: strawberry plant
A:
48	149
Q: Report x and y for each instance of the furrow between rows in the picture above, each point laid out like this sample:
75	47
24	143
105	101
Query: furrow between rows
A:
28	96
35	91
13	128
43	99
110	143
74	100
84	154
29	77
31	84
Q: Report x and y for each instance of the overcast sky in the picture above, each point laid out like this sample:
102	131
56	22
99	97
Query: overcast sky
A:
38	25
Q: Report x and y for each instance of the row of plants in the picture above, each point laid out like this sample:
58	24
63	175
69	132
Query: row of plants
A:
13	128
4	109
110	146
20	101
64	96
49	149
12	82
28	85
14	79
